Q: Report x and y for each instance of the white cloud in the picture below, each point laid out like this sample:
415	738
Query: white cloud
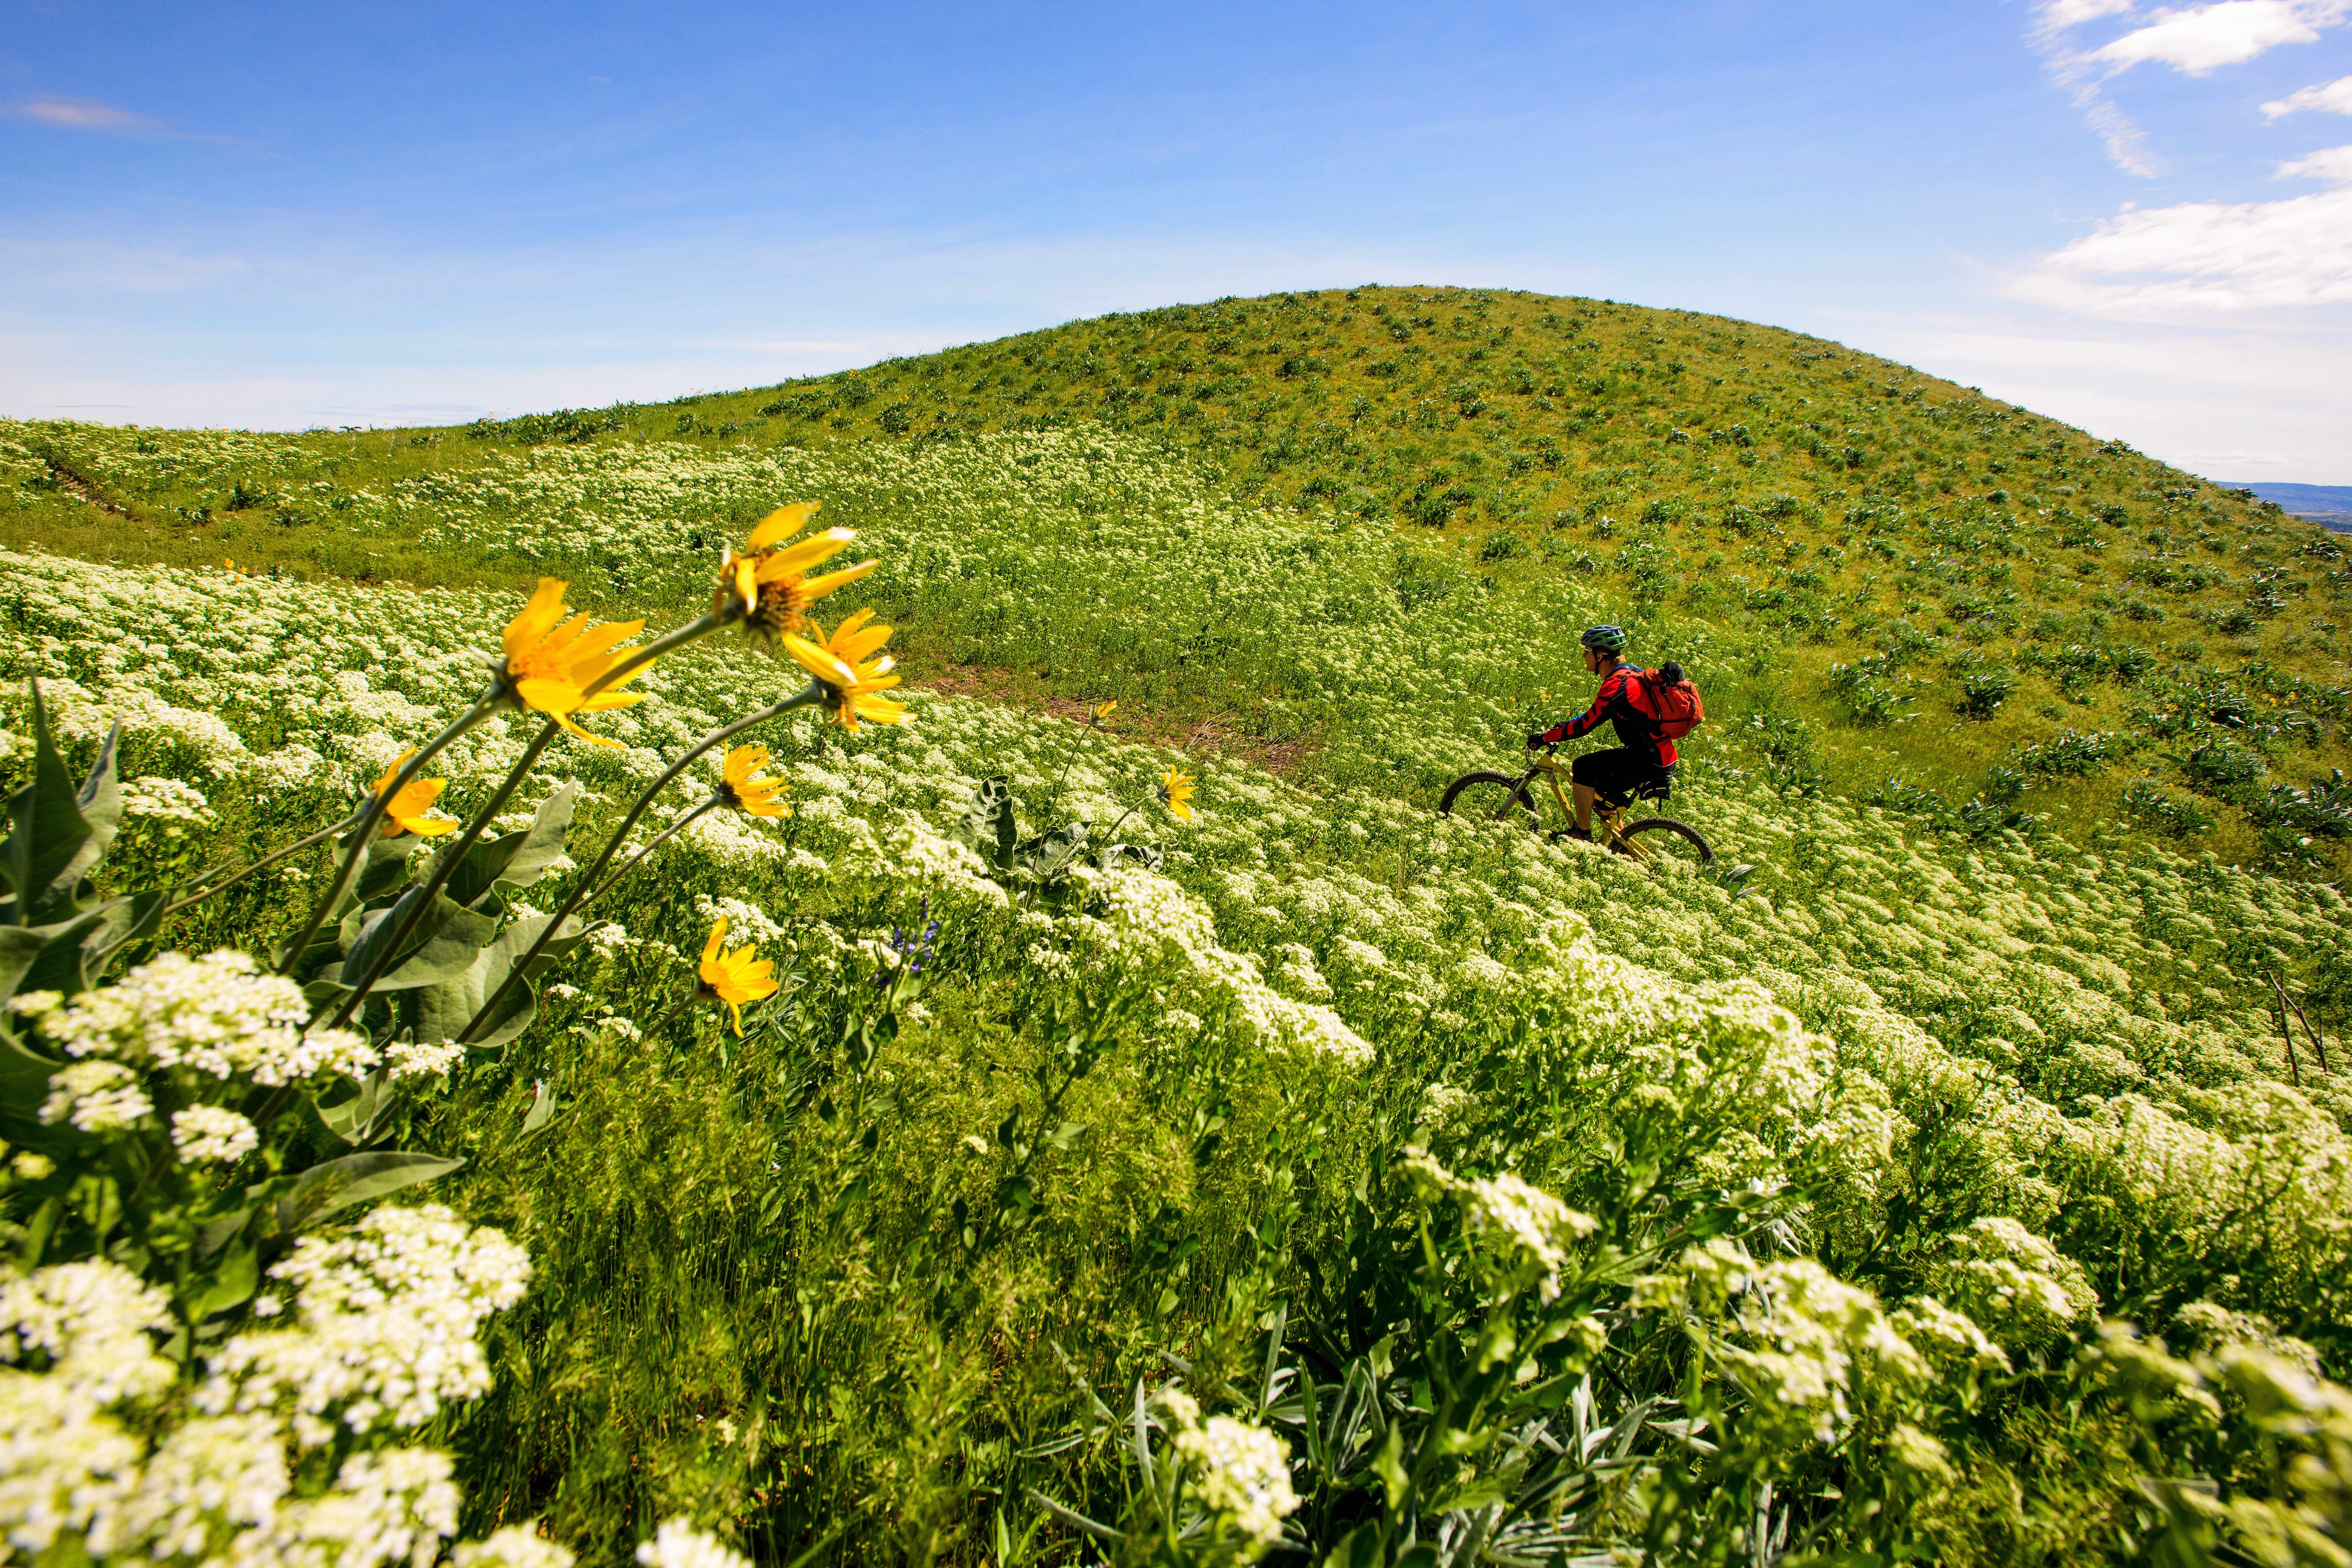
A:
2062	13
2204	257
2225	400
2333	164
2199	38
2329	98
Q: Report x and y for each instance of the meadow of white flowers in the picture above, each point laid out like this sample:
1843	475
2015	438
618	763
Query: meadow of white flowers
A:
2067	1048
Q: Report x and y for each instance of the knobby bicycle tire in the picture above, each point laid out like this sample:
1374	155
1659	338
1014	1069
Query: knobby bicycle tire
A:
1668	826
1497	801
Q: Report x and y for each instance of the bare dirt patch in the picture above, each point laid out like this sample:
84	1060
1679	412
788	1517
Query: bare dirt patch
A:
1212	737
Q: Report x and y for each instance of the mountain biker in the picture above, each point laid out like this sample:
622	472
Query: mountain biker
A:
1643	764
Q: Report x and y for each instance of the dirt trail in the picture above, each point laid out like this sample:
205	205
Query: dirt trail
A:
1210	737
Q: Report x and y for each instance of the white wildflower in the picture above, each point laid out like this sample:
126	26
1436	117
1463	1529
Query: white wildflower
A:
677	1544
213	1014
384	1324
417	1059
205	1133
745	921
1240	1470
97	1097
516	1546
168	799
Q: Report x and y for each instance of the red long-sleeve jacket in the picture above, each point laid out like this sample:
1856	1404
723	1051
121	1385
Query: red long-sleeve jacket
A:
1635	730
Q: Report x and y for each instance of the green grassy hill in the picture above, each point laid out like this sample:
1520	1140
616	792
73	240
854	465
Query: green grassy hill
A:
1940	602
1930	1179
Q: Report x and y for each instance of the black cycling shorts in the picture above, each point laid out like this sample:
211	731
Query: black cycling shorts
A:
1620	774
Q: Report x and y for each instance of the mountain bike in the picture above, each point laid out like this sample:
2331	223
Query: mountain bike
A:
1502	798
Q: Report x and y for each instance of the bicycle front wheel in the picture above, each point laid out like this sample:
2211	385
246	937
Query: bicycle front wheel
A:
1488	796
1662	838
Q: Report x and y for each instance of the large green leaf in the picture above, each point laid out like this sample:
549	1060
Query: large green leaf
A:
127	920
544	841
987	824
65	961
457	941
52	844
444	943
354	1179
516	859
442	1011
385	866
352	1118
24	1080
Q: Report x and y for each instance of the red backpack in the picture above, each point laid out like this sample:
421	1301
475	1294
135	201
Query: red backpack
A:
1667	700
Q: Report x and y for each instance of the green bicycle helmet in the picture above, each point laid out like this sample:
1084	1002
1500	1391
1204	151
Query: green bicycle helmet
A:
1608	639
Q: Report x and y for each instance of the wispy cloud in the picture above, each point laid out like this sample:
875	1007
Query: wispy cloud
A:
2070	68
2194	40
2333	164
2328	97
95	115
2198	40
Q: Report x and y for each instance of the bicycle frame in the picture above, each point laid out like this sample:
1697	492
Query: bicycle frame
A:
1604	815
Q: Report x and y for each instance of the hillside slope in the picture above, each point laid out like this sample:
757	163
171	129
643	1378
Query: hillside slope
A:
1934	597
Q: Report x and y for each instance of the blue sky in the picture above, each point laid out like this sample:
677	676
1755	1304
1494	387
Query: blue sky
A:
286	216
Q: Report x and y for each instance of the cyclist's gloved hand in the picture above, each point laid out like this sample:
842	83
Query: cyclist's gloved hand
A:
1538	742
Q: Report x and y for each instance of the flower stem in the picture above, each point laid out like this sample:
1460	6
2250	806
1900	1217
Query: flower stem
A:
361	834
296	847
581	891
638	659
653	843
443	870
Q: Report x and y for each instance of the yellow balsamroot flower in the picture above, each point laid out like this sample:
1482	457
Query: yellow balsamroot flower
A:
1103	711
736	977
1176	793
754	797
551	660
405	810
768	586
846	665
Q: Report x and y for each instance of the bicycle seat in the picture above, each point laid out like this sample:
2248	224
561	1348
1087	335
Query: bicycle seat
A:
1653	792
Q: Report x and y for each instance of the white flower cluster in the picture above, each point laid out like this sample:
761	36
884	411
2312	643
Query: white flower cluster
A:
215	1015
96	1097
1509	1214
1241	1471
2013	1281
204	1132
383	1331
1815	1340
421	1058
679	1544
169	799
746	922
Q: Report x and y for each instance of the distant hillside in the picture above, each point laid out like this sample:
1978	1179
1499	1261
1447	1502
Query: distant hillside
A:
2330	504
1916	593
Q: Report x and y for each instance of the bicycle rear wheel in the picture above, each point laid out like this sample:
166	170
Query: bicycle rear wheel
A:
1489	796
1662	840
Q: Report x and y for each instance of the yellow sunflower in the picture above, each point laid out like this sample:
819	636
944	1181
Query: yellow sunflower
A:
736	977
853	671
1176	793
405	813
768	586
551	660
752	796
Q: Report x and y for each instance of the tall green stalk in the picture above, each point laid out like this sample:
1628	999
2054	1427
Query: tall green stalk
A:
581	889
